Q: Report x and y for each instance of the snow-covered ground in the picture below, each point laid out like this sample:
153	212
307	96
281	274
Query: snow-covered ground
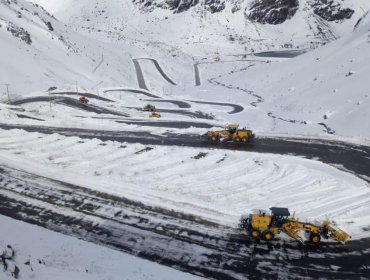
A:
230	183
90	46
44	255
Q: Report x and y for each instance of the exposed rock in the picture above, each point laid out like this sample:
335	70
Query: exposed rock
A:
49	26
272	11
19	32
179	6
214	6
331	11
261	11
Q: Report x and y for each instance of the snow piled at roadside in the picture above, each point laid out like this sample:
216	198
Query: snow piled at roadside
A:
44	255
230	183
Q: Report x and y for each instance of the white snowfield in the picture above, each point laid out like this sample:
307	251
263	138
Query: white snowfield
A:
90	46
45	255
329	85
197	31
216	185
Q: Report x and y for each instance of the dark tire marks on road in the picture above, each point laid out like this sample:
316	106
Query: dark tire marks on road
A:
185	242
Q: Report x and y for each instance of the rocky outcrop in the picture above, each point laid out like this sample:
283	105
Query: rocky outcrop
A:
261	11
20	33
179	6
272	11
214	6
331	11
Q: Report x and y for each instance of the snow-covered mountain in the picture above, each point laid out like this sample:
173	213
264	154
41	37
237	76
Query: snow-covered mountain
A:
39	51
328	86
93	43
206	27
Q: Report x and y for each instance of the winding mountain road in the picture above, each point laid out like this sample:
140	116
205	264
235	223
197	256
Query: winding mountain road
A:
140	75
69	102
182	241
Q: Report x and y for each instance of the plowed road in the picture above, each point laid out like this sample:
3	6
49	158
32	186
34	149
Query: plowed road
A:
185	242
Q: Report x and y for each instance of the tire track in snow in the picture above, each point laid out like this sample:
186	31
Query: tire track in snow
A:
190	243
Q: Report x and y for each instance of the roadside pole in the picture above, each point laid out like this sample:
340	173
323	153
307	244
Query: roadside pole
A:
7	90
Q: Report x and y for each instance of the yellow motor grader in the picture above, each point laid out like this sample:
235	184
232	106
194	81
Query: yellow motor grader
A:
230	133
149	107
154	115
264	226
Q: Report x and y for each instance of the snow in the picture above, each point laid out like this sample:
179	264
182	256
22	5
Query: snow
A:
231	182
329	85
56	256
322	94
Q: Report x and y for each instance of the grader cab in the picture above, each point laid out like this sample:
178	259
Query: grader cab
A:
230	133
266	226
149	107
83	100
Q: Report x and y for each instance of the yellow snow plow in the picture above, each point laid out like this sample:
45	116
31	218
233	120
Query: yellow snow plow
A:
154	115
266	226
230	133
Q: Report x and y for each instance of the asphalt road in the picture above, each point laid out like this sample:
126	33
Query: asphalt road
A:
134	91
70	102
350	157
236	108
188	243
184	242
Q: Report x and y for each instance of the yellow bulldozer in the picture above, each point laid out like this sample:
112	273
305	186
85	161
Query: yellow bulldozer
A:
265	226
230	133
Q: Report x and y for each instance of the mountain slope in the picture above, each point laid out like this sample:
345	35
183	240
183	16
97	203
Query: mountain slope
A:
329	85
37	51
206	27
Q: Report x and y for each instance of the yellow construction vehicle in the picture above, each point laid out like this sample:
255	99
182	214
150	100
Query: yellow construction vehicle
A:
154	115
264	226
83	100
230	133
149	107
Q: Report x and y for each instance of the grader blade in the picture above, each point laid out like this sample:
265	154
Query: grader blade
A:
335	233
292	230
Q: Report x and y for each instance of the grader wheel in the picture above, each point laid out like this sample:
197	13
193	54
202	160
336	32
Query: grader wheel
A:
214	139
255	233
237	139
268	235
315	238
